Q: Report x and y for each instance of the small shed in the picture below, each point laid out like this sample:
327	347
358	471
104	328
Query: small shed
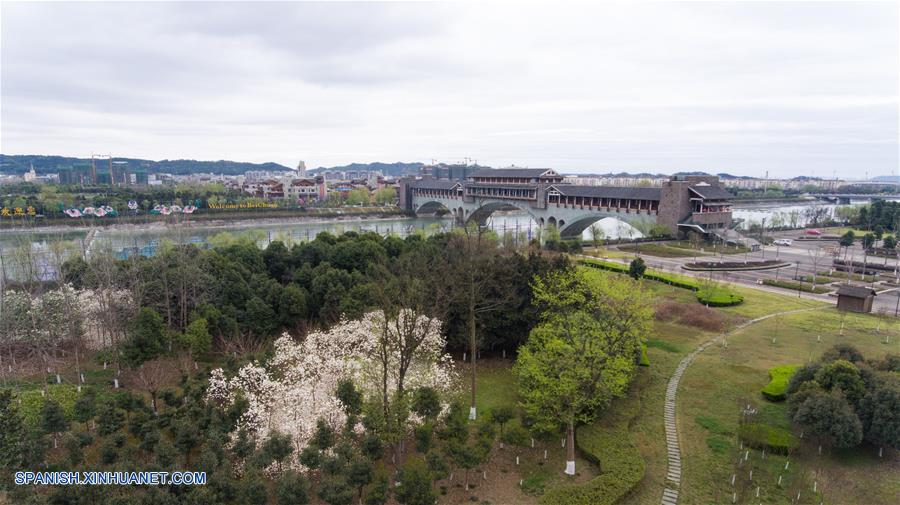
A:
855	298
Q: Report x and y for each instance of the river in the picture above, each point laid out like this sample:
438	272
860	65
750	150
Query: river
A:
48	246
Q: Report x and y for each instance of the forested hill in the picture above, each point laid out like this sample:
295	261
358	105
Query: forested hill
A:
20	163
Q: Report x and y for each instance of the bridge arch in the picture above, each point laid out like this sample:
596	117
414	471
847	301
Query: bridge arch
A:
576	228
434	206
485	209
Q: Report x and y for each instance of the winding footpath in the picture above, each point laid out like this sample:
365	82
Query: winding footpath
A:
673	450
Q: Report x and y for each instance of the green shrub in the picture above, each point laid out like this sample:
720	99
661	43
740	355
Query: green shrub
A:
645	360
673	280
763	436
33	401
806	288
719	297
605	265
776	389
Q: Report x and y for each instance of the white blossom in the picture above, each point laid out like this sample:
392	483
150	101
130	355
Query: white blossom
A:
297	386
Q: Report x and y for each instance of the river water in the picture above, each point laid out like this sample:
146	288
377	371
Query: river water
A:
46	247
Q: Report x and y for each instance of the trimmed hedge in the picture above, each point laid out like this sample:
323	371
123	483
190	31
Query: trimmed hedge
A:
734	265
776	389
653	275
794	286
608	444
719	297
763	436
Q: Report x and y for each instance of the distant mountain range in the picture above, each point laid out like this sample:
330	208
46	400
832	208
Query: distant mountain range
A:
21	163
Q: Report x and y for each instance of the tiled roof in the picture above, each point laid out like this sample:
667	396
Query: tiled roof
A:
855	291
512	172
435	184
712	192
608	192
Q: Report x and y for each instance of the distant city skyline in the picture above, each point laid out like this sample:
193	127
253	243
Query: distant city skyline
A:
742	88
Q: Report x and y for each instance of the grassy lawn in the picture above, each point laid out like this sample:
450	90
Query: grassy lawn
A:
496	386
722	380
669	344
759	303
709	247
660	250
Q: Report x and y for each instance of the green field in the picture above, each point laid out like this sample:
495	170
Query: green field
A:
722	380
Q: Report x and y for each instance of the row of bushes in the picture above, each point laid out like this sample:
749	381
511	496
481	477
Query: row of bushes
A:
795	286
837	274
779	376
653	275
858	265
718	297
734	265
609	445
771	438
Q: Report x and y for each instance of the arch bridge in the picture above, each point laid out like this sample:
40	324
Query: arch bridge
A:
680	205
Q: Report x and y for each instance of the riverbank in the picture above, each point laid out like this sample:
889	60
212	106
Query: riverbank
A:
224	219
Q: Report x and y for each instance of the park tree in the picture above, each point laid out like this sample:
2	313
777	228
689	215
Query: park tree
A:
426	402
86	407
636	268
12	434
334	490
844	352
879	413
53	420
597	235
291	489
252	489
889	243
583	353
502	415
829	418
415	484
196	338
385	196
846	241
380	491
472	253
868	240
358	196
147	339
842	376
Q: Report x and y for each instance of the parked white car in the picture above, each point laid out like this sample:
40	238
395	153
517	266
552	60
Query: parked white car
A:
783	241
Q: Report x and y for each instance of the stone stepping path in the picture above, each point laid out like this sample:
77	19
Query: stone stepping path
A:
673	450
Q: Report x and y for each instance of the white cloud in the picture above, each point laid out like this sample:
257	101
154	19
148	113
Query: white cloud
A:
792	88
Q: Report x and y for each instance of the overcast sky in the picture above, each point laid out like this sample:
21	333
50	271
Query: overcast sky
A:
792	88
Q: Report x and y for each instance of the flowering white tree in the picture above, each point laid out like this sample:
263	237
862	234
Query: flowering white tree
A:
39	324
298	386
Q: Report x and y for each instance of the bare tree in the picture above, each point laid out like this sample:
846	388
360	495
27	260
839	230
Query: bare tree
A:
471	254
815	254
152	375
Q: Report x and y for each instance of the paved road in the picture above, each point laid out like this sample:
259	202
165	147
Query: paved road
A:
805	258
